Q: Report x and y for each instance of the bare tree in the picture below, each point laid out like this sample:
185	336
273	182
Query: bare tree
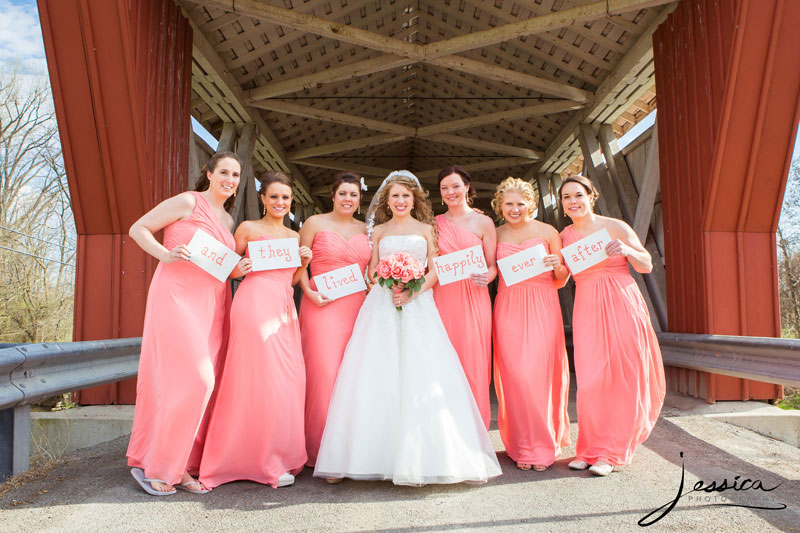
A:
789	254
37	237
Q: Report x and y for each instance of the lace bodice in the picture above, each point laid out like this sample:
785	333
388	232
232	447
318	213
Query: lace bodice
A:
416	245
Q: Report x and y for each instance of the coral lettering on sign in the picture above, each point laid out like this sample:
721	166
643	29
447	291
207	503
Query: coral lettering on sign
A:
523	265
586	252
211	255
460	265
341	282
272	254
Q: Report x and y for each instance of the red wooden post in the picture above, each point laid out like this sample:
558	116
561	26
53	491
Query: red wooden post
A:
121	78
728	78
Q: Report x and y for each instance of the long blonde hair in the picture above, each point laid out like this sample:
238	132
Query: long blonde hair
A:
422	210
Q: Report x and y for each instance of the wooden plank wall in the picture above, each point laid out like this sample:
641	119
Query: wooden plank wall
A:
121	79
728	78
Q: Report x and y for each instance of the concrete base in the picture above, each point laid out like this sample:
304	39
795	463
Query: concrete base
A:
56	433
760	417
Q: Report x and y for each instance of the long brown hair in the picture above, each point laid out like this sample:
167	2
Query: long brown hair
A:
460	171
211	165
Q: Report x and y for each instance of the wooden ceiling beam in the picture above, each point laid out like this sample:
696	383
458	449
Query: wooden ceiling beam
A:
627	69
345	146
205	55
546	108
319	26
542	23
334	116
497	73
331	75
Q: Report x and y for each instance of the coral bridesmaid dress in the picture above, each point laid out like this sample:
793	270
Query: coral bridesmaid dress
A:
466	311
531	374
326	330
183	342
618	363
256	427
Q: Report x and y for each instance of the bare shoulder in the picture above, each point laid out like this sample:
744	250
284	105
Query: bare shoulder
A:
484	222
290	233
227	220
501	231
547	229
245	228
616	228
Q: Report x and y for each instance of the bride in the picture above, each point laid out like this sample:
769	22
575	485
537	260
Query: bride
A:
402	408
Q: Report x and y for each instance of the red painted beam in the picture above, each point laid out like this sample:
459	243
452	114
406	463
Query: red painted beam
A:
121	78
728	77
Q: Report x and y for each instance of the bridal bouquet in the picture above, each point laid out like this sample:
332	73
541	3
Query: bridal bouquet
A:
400	267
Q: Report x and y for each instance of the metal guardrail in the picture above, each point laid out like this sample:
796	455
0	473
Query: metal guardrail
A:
766	359
31	372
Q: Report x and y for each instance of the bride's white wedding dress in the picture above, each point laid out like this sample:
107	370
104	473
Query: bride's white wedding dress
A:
402	408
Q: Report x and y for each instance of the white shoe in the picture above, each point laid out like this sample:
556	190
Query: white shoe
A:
578	464
285	480
601	469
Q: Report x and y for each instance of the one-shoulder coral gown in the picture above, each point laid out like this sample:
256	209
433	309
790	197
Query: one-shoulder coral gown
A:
326	330
183	343
618	365
466	312
531	373
256	427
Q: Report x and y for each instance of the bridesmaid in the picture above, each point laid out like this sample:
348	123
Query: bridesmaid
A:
336	240
531	369
465	306
618	363
256	427
184	332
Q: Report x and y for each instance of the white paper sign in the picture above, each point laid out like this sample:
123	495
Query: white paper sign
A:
459	265
211	255
523	265
272	254
586	252
341	282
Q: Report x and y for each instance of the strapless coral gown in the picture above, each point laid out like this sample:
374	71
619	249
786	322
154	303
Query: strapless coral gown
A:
256	427
401	408
531	373
618	365
326	330
466	312
183	343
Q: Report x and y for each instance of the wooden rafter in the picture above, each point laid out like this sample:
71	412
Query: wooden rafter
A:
206	56
632	63
434	132
444	48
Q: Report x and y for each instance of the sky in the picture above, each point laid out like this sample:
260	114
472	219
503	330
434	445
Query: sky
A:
21	43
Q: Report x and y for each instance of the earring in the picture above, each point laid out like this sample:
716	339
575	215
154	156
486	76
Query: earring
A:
442	201
235	191
264	210
359	209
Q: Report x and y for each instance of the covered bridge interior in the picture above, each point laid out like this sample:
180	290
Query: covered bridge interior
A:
535	89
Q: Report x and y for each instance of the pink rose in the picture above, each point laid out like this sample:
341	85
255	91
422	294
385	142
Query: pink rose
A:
406	276
384	270
397	271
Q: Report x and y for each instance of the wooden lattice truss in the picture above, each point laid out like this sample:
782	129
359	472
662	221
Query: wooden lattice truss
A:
498	86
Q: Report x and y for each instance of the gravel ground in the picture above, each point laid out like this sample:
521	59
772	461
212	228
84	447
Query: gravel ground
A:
93	490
